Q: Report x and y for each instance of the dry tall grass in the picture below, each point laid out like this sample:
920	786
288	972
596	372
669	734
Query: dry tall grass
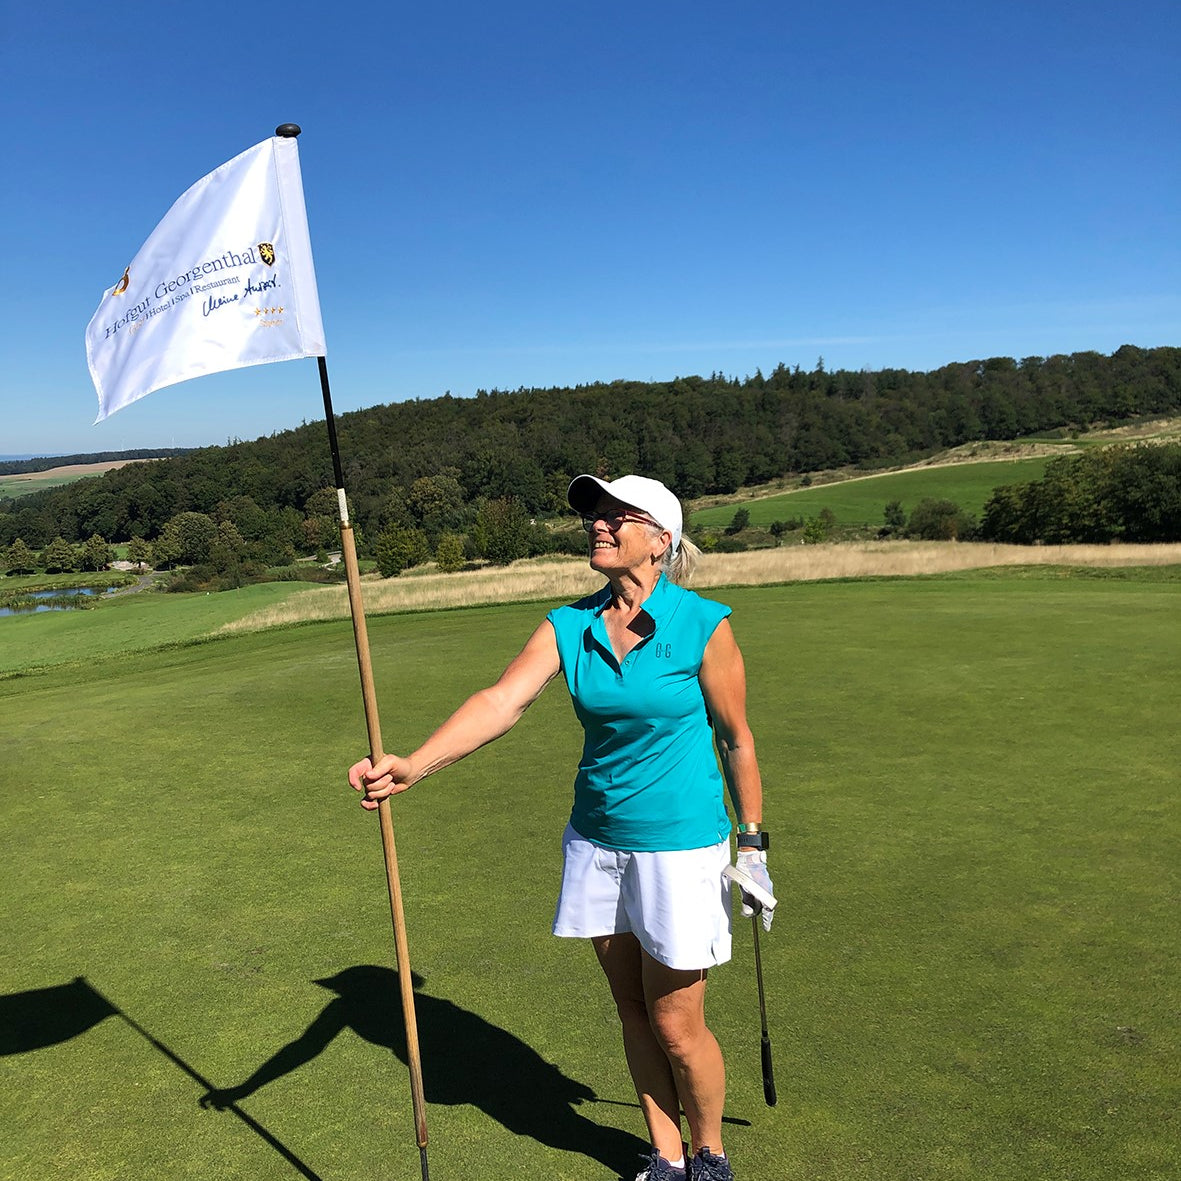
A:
802	563
570	578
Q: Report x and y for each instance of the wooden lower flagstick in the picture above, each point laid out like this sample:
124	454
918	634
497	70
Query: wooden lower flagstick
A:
373	725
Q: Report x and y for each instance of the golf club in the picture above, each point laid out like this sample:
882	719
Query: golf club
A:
748	885
768	1071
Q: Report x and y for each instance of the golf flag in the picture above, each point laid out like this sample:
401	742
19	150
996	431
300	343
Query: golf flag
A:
226	280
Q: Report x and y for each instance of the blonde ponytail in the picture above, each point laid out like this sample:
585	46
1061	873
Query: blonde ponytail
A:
679	567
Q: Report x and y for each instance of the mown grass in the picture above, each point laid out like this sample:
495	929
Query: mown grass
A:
974	971
126	625
862	500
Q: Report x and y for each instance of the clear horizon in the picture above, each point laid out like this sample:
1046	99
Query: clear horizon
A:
532	197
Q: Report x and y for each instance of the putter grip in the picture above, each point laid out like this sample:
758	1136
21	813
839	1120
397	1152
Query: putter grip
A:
768	1074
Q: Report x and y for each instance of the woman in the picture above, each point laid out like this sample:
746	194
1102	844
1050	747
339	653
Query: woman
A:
651	668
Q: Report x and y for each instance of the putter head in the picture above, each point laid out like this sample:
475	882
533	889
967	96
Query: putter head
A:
748	885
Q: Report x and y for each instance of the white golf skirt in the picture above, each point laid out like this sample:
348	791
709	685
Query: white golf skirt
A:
677	904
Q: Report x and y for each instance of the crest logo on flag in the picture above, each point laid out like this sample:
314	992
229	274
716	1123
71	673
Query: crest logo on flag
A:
123	283
267	253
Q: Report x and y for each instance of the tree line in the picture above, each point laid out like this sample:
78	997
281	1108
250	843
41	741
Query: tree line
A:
429	467
1127	493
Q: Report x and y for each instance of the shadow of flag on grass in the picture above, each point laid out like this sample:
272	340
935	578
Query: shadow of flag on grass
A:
465	1060
44	1017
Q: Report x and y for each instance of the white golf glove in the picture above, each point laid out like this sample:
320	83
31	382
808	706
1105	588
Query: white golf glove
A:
749	874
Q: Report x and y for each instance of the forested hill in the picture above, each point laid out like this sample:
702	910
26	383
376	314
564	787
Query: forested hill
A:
700	435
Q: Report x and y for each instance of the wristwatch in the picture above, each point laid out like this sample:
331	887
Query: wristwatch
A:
752	840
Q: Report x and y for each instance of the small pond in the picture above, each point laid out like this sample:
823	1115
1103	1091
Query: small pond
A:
53	600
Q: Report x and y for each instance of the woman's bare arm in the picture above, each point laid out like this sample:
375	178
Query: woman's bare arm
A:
723	682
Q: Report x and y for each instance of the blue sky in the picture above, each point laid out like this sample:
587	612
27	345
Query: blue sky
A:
537	194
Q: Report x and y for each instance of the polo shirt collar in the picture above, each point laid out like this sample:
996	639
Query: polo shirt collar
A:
658	604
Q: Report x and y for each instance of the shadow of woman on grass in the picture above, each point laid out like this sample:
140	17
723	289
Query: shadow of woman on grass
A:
465	1059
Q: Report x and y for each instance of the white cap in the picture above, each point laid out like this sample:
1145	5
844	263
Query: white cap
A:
649	496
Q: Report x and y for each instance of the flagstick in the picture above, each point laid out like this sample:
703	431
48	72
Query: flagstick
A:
369	697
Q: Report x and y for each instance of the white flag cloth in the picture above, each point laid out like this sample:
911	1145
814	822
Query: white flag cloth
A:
226	280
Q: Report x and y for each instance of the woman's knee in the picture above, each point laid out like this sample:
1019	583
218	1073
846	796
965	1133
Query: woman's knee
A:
680	1034
632	1012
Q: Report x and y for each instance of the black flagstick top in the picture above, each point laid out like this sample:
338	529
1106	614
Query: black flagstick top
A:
288	130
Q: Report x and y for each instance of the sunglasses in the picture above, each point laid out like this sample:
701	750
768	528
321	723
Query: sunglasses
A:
613	519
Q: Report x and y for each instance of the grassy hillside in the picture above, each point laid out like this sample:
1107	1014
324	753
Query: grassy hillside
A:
956	475
862	500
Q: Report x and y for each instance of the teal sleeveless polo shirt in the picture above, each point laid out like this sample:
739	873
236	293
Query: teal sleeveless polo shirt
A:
648	779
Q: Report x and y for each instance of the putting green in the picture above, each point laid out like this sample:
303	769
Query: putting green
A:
973	972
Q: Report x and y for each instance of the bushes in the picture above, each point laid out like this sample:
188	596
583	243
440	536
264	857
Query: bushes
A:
209	577
895	519
18	558
59	557
399	548
503	532
306	573
1129	493
738	522
940	520
561	541
814	532
449	555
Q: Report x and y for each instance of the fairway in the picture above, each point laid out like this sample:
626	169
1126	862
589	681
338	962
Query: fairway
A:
862	500
971	786
129	624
